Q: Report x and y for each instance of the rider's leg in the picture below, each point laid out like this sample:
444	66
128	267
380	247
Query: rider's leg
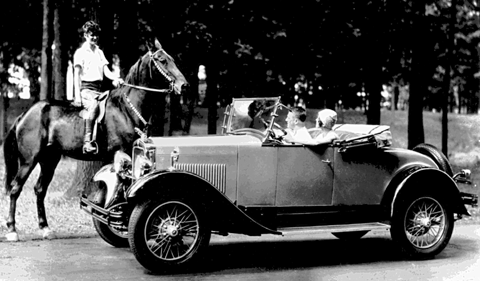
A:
90	104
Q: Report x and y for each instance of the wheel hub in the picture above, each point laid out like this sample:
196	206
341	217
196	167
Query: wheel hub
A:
169	228
423	220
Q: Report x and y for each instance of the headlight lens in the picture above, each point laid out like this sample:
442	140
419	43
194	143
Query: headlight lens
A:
144	161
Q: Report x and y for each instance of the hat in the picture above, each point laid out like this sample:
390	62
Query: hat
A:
328	117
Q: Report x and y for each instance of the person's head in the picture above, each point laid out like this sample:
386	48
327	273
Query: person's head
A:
91	31
326	118
296	117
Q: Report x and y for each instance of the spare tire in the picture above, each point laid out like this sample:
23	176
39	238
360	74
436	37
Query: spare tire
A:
436	155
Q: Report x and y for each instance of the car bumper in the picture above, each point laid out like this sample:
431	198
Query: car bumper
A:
469	199
109	217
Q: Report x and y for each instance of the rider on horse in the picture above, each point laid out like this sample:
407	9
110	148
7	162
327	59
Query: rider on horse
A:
90	67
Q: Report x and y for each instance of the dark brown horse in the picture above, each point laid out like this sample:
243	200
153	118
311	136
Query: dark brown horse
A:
49	129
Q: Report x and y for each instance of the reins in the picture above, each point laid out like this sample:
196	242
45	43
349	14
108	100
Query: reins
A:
165	91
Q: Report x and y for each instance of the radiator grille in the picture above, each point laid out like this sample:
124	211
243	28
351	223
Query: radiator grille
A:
213	173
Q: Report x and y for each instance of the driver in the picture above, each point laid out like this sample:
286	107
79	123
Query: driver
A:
296	130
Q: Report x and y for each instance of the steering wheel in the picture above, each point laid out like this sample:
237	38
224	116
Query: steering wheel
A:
273	135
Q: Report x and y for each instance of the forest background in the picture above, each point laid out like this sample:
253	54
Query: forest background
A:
405	55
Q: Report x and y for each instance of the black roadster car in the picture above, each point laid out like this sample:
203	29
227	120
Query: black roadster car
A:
167	199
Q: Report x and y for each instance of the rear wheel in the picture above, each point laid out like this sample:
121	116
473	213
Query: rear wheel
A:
436	155
168	235
111	235
422	225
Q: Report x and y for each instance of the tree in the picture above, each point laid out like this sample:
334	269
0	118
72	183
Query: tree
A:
46	73
418	83
60	62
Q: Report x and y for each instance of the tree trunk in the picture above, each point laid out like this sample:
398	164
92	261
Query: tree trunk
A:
175	114
60	52
4	103
47	40
82	182
191	99
418	86
447	78
212	96
128	34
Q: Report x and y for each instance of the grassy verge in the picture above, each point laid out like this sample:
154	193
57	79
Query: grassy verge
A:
66	218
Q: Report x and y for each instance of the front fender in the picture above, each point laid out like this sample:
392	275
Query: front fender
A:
182	184
107	175
421	177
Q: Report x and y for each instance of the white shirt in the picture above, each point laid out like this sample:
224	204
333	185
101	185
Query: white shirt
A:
301	135
91	62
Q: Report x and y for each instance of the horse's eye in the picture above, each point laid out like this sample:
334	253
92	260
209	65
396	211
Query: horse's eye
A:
162	59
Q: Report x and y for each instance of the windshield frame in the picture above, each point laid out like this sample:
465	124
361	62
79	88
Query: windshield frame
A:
238	106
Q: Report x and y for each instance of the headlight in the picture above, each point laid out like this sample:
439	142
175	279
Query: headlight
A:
144	161
122	164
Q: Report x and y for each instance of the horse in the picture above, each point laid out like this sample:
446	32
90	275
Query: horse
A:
52	129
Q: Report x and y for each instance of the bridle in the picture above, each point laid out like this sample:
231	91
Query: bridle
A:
169	79
166	91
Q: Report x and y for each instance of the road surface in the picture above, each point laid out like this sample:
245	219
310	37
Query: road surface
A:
299	257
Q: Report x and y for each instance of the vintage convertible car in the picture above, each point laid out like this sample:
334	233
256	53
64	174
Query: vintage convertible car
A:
174	192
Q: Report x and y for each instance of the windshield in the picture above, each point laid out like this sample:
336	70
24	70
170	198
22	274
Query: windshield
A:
250	113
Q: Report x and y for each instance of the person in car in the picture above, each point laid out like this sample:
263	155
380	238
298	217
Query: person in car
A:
296	130
326	119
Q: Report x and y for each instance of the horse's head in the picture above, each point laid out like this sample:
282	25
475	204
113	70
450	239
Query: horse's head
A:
167	67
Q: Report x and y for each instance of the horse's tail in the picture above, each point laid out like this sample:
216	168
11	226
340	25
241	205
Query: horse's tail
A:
10	154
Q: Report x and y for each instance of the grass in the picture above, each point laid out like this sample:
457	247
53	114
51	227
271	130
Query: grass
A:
66	218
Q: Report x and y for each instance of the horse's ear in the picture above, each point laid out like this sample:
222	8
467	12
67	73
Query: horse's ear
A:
157	44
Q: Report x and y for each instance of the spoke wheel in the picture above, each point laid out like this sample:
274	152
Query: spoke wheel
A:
168	234
423	226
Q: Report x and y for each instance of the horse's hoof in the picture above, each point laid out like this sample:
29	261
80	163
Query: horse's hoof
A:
12	237
48	234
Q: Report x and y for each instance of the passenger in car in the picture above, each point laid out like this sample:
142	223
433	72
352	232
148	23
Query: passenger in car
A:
296	130
326	119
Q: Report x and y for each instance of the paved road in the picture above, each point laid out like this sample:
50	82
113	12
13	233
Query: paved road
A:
243	258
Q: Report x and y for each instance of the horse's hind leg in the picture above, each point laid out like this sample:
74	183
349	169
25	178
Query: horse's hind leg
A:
47	165
17	185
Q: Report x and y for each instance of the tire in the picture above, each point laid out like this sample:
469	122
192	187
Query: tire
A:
168	235
112	236
436	155
352	235
422	225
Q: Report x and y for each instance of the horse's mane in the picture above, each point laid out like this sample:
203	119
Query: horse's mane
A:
132	78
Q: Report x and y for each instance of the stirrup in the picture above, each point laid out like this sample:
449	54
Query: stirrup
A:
90	147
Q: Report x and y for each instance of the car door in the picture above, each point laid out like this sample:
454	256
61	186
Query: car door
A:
304	176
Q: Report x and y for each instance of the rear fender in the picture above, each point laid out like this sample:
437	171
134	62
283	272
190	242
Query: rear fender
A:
181	184
419	178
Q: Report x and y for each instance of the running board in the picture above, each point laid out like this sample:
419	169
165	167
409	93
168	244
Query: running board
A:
335	228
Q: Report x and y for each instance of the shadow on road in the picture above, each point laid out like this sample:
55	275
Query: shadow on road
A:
250	257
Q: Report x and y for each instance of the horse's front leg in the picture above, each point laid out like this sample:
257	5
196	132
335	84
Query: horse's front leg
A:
45	177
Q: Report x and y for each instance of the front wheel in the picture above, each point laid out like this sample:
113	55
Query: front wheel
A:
422	225
167	235
113	236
